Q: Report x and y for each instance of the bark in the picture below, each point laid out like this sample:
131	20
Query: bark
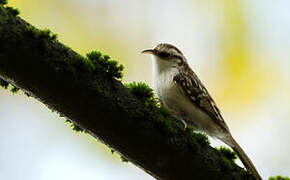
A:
103	106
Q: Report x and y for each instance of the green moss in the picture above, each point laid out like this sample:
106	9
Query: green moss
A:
64	48
201	138
42	39
123	159
229	154
14	89
13	11
3	2
141	90
278	178
74	126
106	64
94	59
146	95
45	34
4	83
164	119
162	116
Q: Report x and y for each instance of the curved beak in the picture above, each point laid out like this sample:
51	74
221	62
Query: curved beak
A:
149	51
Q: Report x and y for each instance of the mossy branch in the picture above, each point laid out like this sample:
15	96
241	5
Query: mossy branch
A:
87	91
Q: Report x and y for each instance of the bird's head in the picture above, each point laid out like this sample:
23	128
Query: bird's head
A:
166	56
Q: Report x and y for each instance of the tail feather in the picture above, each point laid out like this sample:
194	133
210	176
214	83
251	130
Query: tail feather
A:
244	158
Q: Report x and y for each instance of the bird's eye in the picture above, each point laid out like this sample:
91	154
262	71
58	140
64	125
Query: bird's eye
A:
164	54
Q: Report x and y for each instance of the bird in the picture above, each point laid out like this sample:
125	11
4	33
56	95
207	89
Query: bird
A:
180	90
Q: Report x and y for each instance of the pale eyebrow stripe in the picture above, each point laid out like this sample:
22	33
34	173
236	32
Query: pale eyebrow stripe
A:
178	57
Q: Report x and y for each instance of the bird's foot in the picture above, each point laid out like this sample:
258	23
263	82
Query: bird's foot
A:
178	115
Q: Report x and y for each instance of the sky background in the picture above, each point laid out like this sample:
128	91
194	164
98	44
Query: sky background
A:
238	48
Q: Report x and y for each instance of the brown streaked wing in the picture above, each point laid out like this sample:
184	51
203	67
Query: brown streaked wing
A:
194	90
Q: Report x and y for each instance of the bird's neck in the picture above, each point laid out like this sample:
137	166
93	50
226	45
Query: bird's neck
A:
162	66
163	73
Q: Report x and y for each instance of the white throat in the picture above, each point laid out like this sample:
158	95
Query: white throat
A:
162	66
163	73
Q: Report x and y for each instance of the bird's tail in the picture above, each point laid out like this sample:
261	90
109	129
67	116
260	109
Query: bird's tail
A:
244	158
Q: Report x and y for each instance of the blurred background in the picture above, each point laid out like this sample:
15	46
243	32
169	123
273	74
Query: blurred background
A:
239	48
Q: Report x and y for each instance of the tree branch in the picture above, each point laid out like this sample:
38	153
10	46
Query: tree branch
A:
98	103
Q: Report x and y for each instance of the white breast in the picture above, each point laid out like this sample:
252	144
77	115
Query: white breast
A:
164	86
163	74
172	97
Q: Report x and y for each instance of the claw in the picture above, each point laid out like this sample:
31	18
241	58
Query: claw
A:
178	115
184	123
